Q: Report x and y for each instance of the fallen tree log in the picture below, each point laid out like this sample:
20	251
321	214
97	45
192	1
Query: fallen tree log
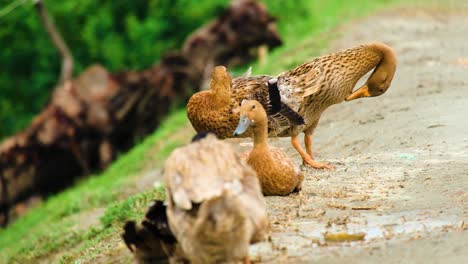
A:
99	114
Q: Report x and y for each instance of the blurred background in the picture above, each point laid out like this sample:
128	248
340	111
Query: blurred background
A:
117	34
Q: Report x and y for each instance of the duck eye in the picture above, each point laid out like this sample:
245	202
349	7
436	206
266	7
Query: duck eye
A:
253	106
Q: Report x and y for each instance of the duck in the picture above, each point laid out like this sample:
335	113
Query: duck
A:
214	109
276	171
310	88
305	92
215	205
152	241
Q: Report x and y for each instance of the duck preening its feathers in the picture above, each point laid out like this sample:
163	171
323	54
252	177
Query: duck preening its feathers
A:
312	87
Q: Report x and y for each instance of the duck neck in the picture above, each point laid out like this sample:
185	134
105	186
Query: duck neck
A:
260	134
387	62
221	96
373	55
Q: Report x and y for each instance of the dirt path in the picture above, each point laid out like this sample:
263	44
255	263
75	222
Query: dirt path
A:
402	159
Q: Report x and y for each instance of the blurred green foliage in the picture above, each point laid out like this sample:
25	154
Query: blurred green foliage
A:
120	35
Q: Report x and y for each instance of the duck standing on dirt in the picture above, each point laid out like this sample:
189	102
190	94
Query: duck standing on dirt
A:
276	171
215	205
295	97
312	87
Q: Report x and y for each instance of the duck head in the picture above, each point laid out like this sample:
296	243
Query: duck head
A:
379	81
251	113
376	85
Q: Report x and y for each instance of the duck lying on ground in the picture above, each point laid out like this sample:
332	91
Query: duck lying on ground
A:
276	171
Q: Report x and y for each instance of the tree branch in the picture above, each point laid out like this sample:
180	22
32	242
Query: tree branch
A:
57	40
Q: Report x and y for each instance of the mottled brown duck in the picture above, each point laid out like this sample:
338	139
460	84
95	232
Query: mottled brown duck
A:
215	205
312	87
276	171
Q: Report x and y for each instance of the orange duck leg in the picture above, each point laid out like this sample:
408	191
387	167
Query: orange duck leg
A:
307	156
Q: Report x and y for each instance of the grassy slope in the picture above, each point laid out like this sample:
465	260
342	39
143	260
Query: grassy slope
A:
63	228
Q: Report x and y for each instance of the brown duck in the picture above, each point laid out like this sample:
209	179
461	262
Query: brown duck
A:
276	171
304	94
312	87
215	205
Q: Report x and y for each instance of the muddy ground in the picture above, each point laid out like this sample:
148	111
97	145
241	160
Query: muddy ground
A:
401	159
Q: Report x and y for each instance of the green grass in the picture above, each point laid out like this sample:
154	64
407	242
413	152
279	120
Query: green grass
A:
60	231
50	226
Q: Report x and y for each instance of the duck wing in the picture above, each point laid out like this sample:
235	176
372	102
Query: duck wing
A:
280	115
281	110
299	83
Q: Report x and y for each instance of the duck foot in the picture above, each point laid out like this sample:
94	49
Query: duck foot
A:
317	165
307	158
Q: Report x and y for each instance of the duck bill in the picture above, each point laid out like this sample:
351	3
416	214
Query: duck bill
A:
359	93
244	123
